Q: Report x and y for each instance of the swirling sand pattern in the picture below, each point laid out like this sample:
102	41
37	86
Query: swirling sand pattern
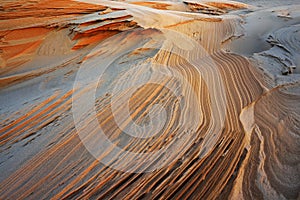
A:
273	168
253	154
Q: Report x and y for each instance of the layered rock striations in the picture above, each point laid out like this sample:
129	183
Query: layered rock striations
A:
213	121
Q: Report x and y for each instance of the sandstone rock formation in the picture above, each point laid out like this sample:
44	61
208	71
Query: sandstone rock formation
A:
197	101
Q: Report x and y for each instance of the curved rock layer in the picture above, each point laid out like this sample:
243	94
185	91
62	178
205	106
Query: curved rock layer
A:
273	168
218	129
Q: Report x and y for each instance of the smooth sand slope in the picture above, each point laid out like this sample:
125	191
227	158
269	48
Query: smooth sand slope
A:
149	100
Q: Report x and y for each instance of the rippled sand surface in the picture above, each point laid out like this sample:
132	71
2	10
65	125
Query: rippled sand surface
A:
194	99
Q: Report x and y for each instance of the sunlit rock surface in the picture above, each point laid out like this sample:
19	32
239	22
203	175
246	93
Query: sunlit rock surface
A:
210	90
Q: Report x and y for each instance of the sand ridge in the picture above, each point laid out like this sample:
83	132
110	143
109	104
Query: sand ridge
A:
234	130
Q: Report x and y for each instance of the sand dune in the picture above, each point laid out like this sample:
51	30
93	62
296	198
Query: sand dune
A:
149	100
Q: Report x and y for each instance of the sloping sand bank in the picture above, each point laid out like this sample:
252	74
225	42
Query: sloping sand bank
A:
149	100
